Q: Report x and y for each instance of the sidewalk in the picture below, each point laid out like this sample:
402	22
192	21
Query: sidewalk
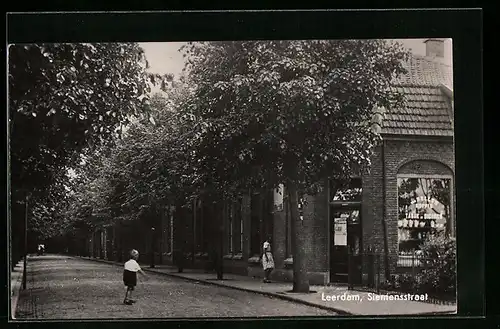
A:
351	302
16	277
28	301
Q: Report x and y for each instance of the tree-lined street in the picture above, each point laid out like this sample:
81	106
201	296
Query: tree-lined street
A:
61	287
188	172
245	116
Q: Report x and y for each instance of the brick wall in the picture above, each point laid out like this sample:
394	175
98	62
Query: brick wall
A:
404	157
372	210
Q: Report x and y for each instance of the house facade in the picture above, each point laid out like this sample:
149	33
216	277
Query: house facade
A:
390	209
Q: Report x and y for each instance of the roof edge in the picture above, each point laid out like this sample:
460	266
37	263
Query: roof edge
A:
378	117
416	85
446	90
416	137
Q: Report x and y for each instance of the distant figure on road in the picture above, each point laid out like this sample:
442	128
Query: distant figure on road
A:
130	276
267	260
41	249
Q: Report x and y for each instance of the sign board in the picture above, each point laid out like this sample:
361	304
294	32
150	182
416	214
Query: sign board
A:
340	230
426	208
278	198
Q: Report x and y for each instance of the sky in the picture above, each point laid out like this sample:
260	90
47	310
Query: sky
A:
164	57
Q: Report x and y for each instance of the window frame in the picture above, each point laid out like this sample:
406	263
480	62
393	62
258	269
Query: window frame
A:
452	225
288	217
331	184
239	213
256	206
171	229
242	234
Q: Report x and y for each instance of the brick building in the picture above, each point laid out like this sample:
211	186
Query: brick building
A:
390	208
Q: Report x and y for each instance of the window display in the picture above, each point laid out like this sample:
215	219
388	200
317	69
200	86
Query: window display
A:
424	210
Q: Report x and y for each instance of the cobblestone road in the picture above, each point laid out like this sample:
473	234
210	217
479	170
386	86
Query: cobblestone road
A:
61	287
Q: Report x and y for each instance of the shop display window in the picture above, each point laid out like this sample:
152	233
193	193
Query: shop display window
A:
424	210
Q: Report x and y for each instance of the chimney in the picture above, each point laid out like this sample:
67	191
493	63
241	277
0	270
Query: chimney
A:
434	48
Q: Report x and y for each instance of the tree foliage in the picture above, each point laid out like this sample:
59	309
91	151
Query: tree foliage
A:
144	170
277	111
65	99
293	112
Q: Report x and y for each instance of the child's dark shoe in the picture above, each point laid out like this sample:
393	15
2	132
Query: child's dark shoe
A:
127	302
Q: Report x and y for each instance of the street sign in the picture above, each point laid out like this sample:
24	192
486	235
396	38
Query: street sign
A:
340	231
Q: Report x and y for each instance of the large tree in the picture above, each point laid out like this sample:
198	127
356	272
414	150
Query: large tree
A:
64	99
291	112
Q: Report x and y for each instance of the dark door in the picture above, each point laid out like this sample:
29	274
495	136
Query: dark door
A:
345	249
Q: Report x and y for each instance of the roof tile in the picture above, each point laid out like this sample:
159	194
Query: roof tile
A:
425	72
427	110
426	113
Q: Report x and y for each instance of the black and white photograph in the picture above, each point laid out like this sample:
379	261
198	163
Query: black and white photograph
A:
232	179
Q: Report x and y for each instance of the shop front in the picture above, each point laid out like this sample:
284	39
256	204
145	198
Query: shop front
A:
424	213
413	198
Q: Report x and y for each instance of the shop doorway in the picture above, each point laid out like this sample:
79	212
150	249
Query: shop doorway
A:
346	244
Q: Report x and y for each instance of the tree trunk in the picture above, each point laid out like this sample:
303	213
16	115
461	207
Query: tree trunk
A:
119	250
113	242
153	243
220	253
154	228
300	279
180	248
161	234
193	247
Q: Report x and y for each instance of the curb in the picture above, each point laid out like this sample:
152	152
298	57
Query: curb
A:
438	313
16	275
265	293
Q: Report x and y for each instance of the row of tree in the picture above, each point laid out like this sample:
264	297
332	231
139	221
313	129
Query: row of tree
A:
65	100
245	116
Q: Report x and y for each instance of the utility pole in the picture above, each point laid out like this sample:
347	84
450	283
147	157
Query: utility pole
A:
220	256
25	263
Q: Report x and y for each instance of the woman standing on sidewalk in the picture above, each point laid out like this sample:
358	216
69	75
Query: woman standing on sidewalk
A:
267	260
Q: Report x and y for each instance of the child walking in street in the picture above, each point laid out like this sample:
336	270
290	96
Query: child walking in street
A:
130	276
